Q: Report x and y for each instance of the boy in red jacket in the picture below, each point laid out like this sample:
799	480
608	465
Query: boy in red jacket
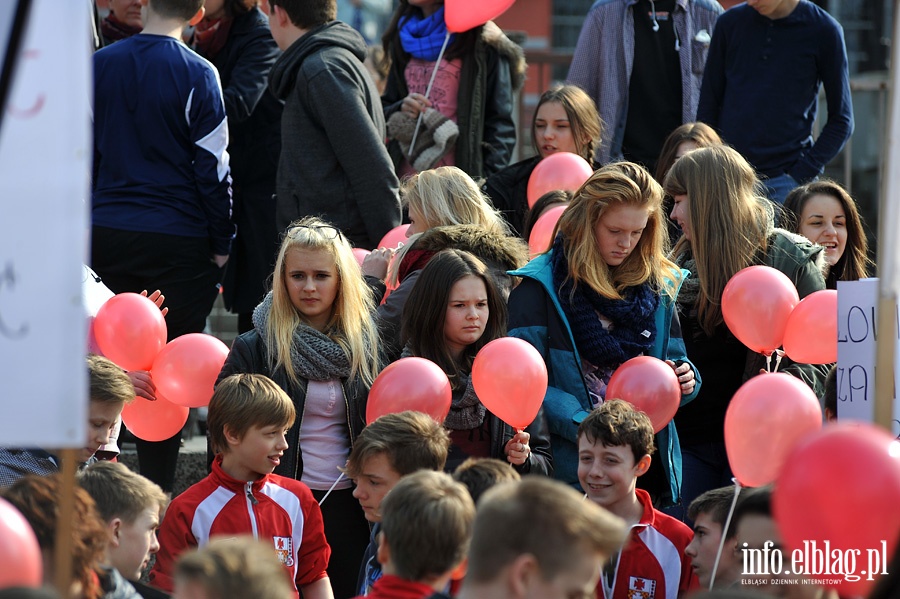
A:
249	416
426	524
614	446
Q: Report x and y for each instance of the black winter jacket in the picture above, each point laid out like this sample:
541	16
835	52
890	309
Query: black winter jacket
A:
487	83
249	355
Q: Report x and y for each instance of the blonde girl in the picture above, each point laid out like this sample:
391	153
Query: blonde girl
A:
603	294
314	336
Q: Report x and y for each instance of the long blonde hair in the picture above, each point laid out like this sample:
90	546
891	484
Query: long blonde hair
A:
350	326
446	196
730	220
617	184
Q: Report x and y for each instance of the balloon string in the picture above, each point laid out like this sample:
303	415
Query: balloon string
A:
437	63
737	492
768	362
333	485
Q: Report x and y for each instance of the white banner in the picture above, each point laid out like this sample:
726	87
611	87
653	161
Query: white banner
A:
45	160
857	333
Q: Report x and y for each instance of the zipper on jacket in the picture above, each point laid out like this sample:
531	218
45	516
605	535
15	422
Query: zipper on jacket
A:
251	501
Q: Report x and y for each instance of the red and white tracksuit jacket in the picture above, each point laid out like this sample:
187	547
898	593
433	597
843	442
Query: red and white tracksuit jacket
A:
276	510
652	565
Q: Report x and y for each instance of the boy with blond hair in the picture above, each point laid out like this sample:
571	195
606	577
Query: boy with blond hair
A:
129	505
426	526
614	446
390	448
538	539
249	416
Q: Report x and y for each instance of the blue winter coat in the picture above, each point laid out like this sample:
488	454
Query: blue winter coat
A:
536	316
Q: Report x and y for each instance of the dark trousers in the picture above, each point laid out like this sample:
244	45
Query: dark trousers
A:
180	267
347	531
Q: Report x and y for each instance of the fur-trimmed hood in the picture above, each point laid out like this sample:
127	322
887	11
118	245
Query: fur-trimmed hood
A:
504	251
494	36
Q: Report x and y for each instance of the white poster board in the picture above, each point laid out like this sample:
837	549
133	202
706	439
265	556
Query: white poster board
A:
45	161
857	332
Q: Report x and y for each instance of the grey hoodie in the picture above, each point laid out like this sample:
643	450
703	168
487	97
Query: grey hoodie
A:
334	163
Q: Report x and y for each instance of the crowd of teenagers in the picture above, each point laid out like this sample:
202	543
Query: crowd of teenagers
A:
254	147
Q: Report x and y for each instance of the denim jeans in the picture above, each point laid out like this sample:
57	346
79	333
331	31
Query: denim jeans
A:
777	188
704	467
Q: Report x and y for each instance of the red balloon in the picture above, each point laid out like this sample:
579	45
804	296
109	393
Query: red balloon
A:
650	385
756	304
462	15
410	384
185	371
563	170
393	238
541	237
510	378
154	420
841	486
811	333
360	255
20	553
766	418
130	330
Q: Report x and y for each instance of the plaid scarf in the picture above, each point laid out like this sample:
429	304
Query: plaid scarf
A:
423	37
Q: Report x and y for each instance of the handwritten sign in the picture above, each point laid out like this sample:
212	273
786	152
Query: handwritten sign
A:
45	152
857	336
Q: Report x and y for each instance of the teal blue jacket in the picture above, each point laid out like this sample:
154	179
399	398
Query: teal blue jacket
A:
536	316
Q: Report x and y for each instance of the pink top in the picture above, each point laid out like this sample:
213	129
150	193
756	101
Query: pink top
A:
324	435
443	96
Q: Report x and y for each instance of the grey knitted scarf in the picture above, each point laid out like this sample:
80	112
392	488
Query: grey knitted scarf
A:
314	355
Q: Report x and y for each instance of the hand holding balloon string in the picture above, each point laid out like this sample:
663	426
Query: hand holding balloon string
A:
517	449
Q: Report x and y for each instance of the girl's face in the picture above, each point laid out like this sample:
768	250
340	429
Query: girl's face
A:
552	130
618	232
823	221
467	314
311	280
416	222
428	7
681	214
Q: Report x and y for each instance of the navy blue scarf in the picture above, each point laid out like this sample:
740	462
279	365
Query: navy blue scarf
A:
422	37
633	330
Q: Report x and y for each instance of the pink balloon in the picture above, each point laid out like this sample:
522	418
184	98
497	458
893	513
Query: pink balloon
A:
841	486
185	371
541	237
130	330
154	420
756	304
21	564
462	15
360	255
811	333
393	238
650	385
563	170
510	378
410	384
766	418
